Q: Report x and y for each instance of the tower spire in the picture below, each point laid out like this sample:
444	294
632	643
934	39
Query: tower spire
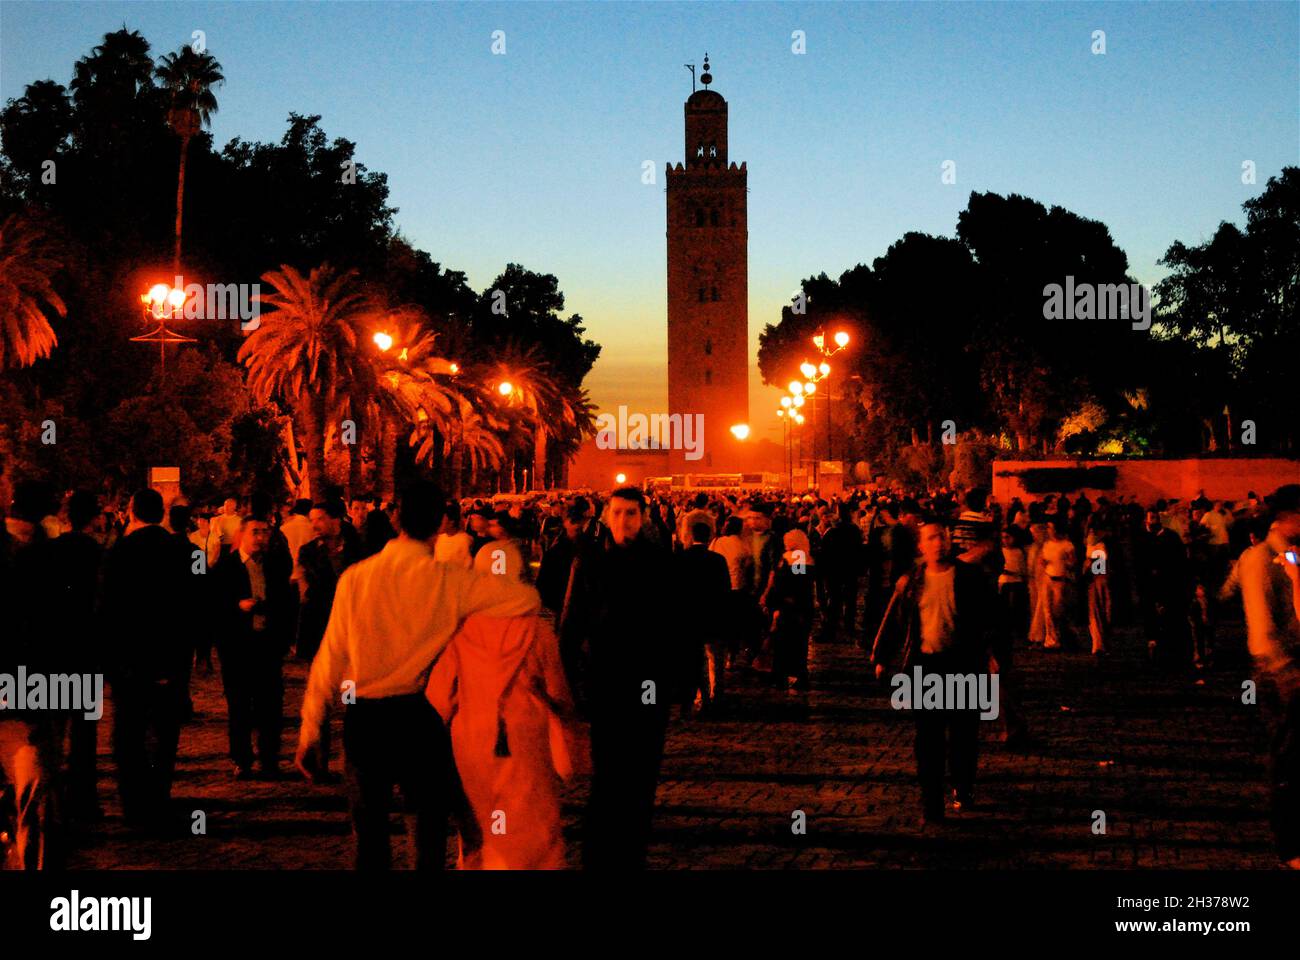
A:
706	78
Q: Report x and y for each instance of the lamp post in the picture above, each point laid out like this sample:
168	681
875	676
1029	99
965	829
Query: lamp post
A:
162	303
841	340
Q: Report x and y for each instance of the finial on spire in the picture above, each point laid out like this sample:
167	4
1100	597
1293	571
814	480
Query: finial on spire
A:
706	78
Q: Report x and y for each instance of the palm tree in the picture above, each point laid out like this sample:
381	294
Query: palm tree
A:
475	442
536	394
410	388
305	349
189	78
27	294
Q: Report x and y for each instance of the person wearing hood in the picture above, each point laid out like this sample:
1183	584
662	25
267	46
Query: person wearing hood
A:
500	685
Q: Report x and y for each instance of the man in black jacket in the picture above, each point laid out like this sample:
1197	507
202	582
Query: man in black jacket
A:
73	581
256	611
320	564
617	611
703	595
147	599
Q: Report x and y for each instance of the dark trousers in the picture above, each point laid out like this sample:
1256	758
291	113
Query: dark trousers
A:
940	733
627	747
1281	703
1013	597
841	602
142	708
398	741
254	687
83	749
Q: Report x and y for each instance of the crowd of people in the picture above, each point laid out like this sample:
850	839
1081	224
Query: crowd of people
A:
480	654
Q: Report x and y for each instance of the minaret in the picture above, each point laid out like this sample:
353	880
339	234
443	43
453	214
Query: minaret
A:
708	286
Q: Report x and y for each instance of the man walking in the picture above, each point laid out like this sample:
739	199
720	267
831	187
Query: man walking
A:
256	612
393	614
941	619
616	611
148	593
1273	637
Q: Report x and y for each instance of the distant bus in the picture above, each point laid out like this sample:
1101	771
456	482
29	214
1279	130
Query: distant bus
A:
713	481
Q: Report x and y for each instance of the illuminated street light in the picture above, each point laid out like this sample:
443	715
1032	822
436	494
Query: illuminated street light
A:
505	388
163	303
824	369
809	388
796	388
798	418
455	369
808	370
383	341
620	478
798	400
785	402
841	339
740	431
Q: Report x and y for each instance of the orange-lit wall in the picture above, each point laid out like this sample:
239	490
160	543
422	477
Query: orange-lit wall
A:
1150	480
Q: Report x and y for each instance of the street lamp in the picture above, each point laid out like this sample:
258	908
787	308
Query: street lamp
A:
841	339
620	478
740	431
162	303
384	341
505	388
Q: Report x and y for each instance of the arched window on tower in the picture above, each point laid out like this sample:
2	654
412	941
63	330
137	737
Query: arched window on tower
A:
699	216
713	293
713	151
701	295
699	151
708	348
713	217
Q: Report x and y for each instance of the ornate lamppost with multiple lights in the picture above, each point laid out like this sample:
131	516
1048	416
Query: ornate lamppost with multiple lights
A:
162	303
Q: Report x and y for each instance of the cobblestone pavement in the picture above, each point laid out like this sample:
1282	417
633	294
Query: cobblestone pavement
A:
1176	764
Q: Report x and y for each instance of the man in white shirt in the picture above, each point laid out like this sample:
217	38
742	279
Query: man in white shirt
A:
453	544
393	615
1058	560
297	528
224	531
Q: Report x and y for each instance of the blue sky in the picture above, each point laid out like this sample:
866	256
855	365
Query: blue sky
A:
536	156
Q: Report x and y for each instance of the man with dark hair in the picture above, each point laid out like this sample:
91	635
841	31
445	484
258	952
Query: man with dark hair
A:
256	613
393	615
1273	637
553	575
376	529
453	543
841	562
297	527
74	560
478	530
30	744
616	611
703	595
697	514
321	562
940	620
1164	587
147	597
